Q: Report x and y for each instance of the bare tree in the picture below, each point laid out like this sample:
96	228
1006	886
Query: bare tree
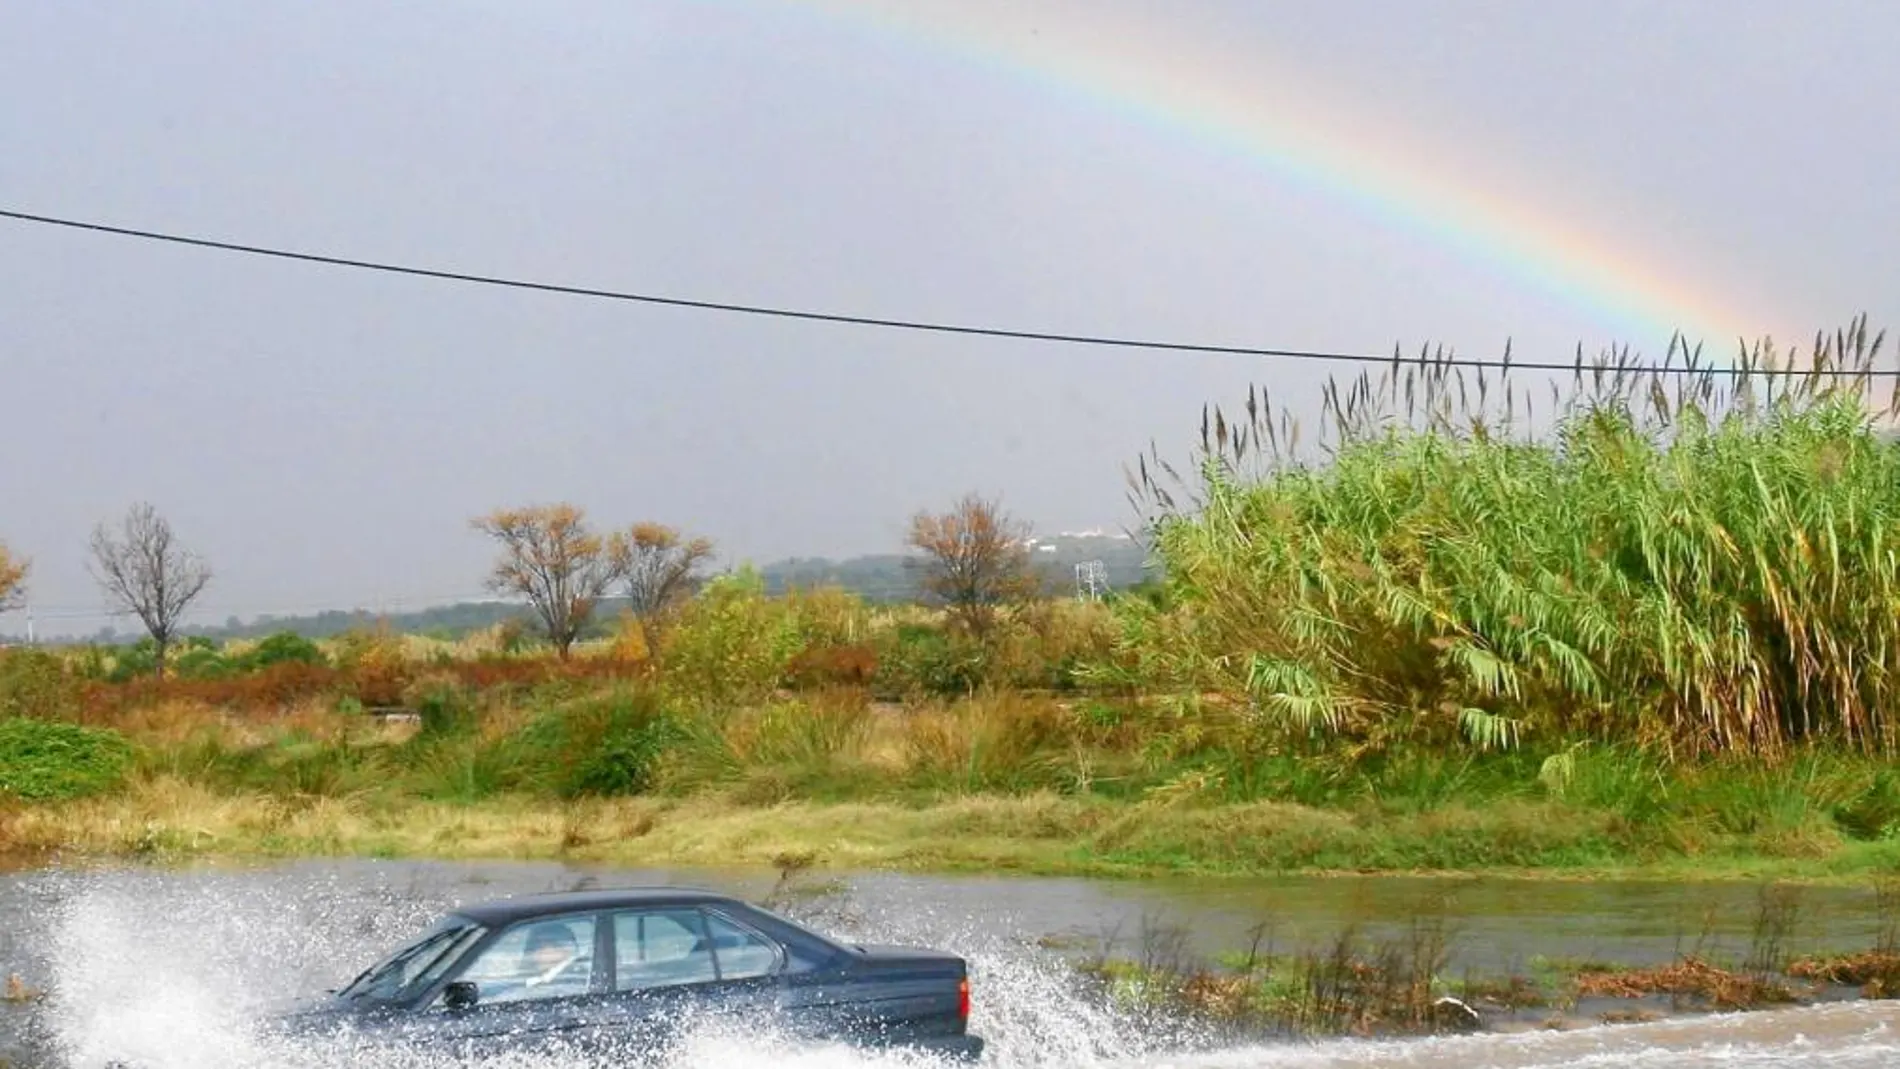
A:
661	568
552	558
147	573
12	579
976	558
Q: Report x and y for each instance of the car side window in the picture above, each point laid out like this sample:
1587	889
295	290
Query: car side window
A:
739	952
661	948
535	960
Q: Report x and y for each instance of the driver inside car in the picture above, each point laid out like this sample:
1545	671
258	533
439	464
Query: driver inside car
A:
551	959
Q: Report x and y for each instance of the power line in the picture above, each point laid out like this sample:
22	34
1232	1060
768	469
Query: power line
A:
1099	340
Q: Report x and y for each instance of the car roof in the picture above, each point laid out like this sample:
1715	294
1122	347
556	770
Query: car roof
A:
522	907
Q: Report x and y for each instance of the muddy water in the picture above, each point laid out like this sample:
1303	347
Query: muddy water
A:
168	967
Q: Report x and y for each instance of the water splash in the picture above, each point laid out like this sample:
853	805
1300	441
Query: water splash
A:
161	971
166	971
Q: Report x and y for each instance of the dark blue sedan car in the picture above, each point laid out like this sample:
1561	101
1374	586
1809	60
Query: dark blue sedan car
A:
624	972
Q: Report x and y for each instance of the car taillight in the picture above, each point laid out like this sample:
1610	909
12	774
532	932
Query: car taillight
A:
963	998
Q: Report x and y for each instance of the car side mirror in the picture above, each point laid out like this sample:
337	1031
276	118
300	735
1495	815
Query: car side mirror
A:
460	995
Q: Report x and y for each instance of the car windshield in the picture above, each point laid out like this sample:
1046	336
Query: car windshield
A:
416	964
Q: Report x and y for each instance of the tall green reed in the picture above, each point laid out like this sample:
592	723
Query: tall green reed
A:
1696	561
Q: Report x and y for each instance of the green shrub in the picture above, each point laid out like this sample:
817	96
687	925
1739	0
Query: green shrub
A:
136	661
284	647
44	761
288	765
34	683
604	746
918	660
92	663
999	741
622	759
828	616
445	710
513	637
732	644
459	770
1875	812
200	659
1049	644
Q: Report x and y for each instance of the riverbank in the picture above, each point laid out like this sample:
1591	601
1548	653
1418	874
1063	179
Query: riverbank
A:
1401	987
1043	834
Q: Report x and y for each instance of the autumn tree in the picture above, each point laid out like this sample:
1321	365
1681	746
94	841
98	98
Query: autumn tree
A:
975	558
661	568
146	572
12	579
552	558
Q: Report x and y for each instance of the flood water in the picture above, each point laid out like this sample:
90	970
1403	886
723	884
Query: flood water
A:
165	968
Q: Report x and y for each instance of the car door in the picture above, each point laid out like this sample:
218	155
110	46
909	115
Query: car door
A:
539	982
751	966
677	968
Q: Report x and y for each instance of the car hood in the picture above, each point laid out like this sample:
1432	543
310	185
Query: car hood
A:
327	1013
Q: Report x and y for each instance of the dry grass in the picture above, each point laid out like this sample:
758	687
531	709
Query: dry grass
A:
269	691
1692	979
164	816
167	816
1042	833
176	721
1875	972
172	721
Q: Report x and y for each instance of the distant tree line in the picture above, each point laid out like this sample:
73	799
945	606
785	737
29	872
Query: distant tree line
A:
971	560
563	577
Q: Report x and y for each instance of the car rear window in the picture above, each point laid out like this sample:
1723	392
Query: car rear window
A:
661	948
739	952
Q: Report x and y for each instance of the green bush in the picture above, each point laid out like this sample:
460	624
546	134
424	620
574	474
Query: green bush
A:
603	747
460	770
201	659
284	647
287	766
1874	813
921	660
1049	645
45	761
35	684
92	663
136	661
622	759
732	644
445	710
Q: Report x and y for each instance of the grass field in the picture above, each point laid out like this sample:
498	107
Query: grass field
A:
1039	834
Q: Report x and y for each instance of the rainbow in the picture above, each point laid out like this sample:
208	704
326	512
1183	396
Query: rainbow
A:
1270	117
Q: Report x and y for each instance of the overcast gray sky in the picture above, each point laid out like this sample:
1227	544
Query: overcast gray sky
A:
323	436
